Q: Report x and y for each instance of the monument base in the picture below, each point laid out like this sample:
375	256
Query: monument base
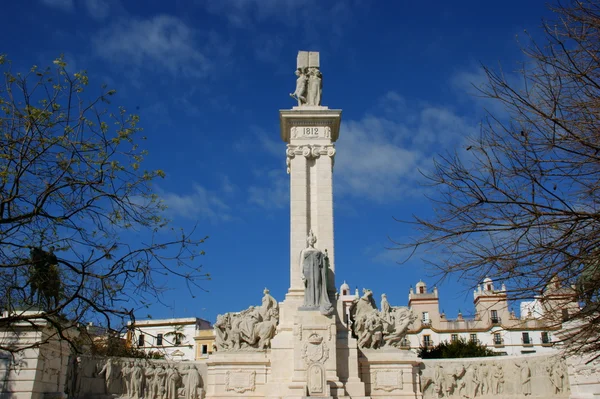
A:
237	374
390	373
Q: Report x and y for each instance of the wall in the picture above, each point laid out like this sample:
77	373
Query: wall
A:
526	376
32	372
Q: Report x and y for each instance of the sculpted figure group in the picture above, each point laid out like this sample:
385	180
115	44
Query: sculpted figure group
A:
376	329
135	379
309	84
489	378
251	329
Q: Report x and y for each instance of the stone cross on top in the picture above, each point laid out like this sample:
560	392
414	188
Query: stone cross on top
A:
309	82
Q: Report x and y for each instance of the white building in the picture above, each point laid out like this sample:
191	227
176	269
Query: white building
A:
172	337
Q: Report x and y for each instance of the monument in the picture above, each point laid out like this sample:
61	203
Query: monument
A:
314	343
301	347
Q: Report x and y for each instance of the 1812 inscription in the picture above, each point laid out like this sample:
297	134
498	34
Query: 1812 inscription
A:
301	132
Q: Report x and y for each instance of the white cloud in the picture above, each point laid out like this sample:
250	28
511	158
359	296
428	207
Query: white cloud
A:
199	204
275	194
241	12
382	157
65	5
163	43
471	82
97	9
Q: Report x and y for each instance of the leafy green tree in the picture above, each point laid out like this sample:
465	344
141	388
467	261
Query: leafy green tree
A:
456	349
82	235
521	203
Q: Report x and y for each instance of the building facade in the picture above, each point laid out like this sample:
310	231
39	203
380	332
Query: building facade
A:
174	338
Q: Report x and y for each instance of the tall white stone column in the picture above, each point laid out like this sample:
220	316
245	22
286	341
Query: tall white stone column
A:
310	132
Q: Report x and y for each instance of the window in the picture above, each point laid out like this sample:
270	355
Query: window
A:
497	339
159	339
427	341
545	337
141	340
421	290
565	314
344	292
526	339
204	349
473	337
425	318
489	287
454	338
495	318
177	340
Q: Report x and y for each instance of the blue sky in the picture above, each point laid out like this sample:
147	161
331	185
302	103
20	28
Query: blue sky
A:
207	78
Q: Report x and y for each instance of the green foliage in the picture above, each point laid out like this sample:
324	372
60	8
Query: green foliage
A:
72	177
456	349
115	346
176	335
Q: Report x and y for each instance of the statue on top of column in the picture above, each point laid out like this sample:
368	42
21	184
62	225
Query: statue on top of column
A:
309	82
315	265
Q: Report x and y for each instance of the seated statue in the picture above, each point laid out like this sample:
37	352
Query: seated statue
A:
249	329
377	329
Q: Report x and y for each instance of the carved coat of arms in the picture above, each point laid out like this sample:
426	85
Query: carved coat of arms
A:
314	350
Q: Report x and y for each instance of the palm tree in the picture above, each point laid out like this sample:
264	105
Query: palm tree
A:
177	334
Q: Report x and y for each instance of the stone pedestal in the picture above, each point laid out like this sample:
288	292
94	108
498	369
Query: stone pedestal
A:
304	359
391	373
241	374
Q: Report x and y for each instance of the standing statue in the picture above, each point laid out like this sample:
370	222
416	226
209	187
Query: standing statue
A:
160	381
193	383
173	382
301	83
44	277
525	378
314	87
137	381
126	371
314	275
556	375
111	374
498	380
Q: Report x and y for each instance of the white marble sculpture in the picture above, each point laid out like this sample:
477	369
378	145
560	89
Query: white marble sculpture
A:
375	329
249	329
495	377
309	80
301	86
111	375
315	82
193	383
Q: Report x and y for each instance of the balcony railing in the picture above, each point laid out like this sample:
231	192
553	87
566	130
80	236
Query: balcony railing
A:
496	320
527	341
426	322
427	344
546	341
498	342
